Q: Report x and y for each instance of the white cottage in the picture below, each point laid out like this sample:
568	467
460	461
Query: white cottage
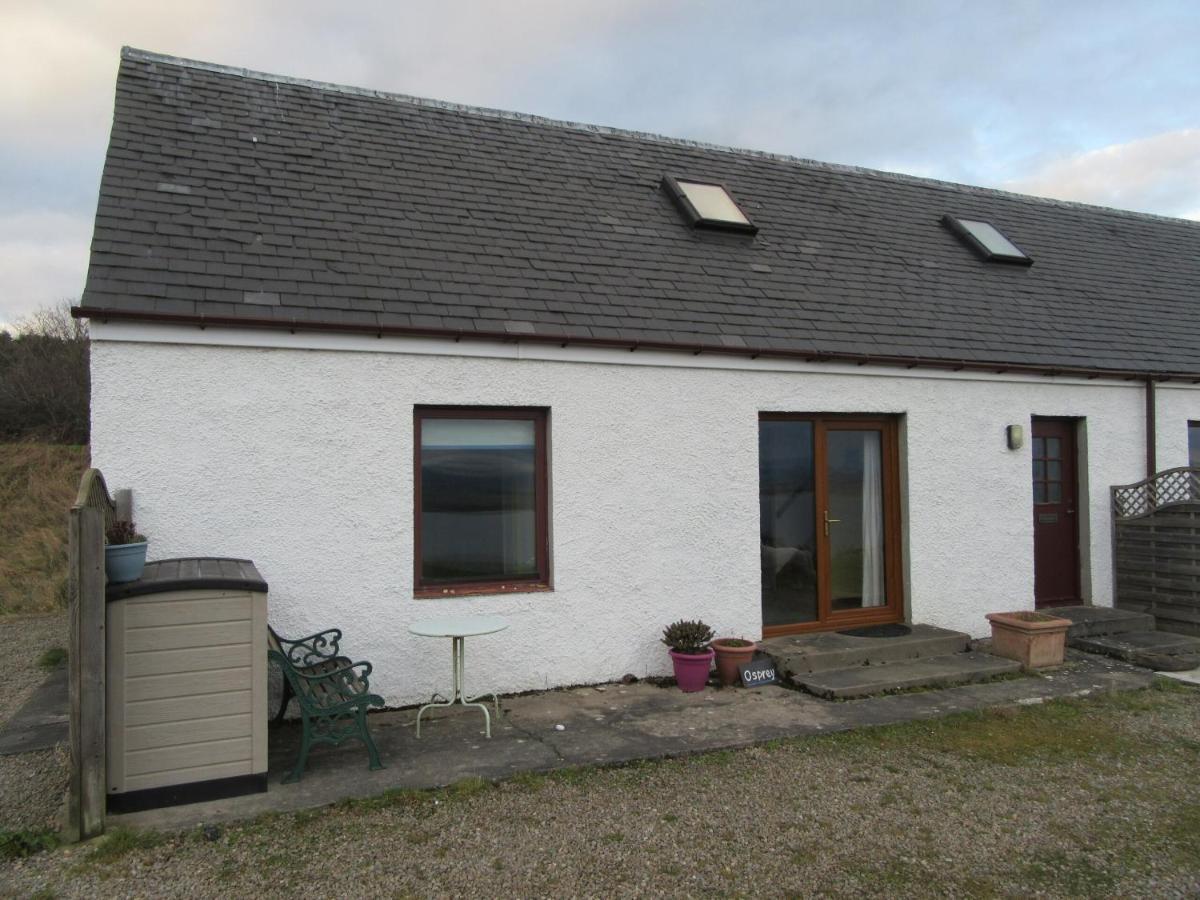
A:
418	359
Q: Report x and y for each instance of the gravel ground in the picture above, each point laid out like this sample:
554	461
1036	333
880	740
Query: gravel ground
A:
1092	797
31	784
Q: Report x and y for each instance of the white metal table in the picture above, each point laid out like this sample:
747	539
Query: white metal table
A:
458	629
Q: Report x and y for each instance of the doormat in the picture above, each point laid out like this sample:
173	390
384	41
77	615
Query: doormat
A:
893	630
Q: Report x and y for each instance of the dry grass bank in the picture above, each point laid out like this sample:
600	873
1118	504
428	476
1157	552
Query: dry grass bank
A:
37	485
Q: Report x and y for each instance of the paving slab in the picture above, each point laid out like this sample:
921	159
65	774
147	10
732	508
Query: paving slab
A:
1190	676
821	651
1092	620
934	672
41	722
605	725
1152	649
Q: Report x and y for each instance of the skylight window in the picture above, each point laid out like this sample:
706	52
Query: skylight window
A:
708	205
987	240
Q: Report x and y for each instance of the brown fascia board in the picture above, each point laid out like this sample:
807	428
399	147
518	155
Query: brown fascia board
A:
907	362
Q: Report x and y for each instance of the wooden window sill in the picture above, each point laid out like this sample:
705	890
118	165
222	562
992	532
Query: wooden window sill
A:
478	590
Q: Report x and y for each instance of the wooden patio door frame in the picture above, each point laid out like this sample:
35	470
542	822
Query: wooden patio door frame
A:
892	611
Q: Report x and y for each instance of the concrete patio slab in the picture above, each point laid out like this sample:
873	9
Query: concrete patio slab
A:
41	722
1190	676
937	671
605	725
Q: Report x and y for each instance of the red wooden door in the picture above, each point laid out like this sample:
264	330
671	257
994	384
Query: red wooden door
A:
1055	516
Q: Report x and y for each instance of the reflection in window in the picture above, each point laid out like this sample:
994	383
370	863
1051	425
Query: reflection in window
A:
787	521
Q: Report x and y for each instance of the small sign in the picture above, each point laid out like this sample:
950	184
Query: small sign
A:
758	672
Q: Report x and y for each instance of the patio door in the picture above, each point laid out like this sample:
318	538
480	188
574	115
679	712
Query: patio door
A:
829	522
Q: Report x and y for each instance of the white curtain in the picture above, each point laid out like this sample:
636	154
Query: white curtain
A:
872	522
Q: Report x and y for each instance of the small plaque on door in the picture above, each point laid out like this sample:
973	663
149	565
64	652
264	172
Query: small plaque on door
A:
1047	518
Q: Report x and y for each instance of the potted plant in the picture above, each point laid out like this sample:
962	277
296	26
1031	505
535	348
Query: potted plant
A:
690	653
731	653
1036	640
124	551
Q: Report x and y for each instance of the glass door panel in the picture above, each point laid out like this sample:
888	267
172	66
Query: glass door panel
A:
854	519
787	521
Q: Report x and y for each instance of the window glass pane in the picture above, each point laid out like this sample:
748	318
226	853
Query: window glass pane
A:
711	202
991	238
1054	470
787	522
1194	444
478	500
1039	469
1039	492
854	461
1053	449
1053	492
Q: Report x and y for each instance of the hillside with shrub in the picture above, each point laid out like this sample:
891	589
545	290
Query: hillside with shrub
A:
37	486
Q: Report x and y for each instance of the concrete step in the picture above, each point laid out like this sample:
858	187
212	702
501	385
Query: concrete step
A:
931	672
1158	650
1087	621
826	650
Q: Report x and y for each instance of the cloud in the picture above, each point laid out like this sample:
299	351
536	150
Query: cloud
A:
1158	174
43	258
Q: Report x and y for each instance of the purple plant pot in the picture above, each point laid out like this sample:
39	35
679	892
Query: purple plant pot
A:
691	669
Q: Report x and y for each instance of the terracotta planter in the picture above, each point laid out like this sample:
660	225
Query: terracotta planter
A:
729	657
691	669
1036	640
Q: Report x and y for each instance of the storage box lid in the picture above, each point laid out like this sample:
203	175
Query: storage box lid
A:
191	573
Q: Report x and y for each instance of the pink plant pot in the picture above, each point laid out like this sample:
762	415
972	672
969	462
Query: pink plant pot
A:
691	670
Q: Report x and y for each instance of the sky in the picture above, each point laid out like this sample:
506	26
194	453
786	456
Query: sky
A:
1093	101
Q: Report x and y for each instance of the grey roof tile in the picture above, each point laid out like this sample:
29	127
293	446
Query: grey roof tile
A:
336	205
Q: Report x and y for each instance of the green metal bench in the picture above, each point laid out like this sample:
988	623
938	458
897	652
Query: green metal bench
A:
332	691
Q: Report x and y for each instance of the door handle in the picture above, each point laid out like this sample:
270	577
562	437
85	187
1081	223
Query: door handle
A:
828	522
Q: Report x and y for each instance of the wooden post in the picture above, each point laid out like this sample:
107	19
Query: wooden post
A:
87	781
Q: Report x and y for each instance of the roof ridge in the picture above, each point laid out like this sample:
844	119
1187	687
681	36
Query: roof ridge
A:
133	53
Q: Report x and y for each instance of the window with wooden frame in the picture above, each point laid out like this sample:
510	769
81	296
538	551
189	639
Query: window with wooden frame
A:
1194	444
481	514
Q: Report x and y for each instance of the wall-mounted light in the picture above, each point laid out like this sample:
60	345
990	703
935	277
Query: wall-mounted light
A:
1016	436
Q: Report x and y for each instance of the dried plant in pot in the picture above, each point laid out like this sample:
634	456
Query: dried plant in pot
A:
124	551
732	653
690	653
1035	639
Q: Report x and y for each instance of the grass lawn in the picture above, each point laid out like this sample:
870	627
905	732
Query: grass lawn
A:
1098	796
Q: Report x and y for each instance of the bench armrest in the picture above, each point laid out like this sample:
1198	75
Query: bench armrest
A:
315	648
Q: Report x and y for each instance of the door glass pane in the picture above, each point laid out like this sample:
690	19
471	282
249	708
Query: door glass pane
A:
477	500
786	522
856	555
1039	492
1052	448
1054	470
1053	492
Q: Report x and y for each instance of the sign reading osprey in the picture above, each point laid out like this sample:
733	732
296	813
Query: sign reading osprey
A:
758	672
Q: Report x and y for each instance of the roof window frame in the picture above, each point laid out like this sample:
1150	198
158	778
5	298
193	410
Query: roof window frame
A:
955	224
672	186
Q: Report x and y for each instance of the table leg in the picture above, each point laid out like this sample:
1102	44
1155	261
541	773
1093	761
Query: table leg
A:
458	660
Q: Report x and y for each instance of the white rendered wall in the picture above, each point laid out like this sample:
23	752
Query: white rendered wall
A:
301	459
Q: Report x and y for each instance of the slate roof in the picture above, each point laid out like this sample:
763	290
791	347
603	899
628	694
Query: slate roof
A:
248	197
